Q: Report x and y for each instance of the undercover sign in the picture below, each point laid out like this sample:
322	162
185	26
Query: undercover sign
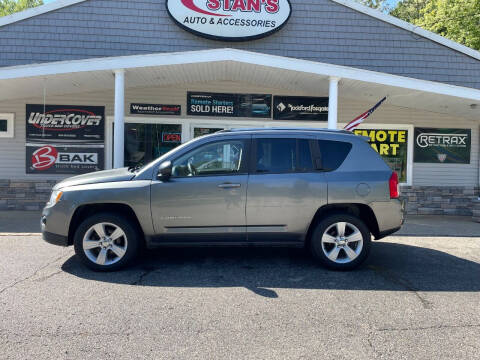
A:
229	105
434	145
154	109
63	123
63	159
300	108
234	20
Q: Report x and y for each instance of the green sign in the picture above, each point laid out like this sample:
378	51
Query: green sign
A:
392	145
451	146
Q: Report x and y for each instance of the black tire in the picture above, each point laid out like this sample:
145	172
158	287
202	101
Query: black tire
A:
126	225
316	246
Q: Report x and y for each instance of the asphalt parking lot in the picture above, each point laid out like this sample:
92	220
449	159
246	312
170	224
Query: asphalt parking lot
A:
418	296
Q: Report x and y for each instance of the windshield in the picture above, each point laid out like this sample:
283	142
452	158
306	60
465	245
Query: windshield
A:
144	167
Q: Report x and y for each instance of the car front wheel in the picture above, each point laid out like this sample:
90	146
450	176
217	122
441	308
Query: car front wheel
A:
106	242
341	242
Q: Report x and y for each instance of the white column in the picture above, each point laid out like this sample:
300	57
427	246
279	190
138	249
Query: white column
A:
333	103
118	136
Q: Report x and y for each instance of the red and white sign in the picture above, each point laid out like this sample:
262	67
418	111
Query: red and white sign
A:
234	20
64	159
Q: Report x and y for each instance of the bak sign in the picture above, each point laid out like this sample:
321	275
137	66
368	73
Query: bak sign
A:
232	20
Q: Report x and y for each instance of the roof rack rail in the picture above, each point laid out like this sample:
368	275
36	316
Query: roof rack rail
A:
288	129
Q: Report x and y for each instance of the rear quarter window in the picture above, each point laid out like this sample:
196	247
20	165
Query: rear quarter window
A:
333	153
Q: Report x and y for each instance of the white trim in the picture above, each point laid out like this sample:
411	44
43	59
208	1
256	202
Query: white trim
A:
410	140
22	15
10	133
410	27
241	56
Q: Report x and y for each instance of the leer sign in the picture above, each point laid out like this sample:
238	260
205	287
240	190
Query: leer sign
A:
234	20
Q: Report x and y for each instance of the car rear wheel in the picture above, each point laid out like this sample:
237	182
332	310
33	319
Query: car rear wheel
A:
106	242
341	242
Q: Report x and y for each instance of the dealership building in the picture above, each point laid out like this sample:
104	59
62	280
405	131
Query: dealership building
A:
98	84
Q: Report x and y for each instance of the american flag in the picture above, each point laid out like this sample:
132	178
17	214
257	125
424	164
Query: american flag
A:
358	120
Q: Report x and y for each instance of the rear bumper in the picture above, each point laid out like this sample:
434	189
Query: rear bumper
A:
390	216
386	233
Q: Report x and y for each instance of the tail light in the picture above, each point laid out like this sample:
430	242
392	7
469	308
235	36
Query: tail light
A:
394	188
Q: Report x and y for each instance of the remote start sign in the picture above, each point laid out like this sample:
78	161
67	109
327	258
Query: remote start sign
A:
233	20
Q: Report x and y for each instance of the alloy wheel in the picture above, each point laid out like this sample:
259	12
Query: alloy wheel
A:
342	242
105	244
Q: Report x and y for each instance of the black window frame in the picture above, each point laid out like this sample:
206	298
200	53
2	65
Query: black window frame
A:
253	155
244	165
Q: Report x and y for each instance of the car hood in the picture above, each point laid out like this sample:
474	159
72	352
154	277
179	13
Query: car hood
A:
97	177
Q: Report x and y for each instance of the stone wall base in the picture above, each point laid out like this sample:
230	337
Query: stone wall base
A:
421	200
440	200
476	211
24	194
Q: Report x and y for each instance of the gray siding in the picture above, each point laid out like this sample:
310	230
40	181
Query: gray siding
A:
319	30
12	151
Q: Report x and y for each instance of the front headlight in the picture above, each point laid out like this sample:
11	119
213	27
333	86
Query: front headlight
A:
55	197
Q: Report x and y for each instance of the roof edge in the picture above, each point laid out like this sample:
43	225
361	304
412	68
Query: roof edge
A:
228	54
410	27
42	9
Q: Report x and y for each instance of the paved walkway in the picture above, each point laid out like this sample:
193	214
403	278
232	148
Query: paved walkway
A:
21	222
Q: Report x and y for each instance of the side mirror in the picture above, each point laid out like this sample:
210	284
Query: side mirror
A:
164	171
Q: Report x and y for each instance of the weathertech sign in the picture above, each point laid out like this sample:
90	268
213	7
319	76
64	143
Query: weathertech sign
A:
234	20
63	123
58	159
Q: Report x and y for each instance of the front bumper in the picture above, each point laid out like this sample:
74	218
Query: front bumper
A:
55	239
55	223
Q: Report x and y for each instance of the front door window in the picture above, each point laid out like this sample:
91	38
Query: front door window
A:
218	158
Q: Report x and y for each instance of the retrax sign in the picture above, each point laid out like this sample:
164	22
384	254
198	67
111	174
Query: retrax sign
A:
233	20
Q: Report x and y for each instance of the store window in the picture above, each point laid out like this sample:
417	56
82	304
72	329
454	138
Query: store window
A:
219	158
146	142
200	131
6	125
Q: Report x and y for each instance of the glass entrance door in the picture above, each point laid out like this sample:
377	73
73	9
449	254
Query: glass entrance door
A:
145	142
205	130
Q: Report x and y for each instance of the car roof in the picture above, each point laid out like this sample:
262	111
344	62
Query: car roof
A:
286	129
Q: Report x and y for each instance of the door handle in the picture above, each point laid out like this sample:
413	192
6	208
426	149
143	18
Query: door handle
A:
229	186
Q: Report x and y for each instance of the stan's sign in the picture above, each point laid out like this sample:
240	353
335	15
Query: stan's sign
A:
234	20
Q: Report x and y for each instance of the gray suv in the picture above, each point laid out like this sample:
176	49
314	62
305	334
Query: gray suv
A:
325	190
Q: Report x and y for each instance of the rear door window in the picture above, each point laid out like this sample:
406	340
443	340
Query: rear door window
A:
283	155
333	153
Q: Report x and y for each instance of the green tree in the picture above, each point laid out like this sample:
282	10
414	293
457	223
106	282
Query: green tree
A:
458	20
8	7
409	10
376	4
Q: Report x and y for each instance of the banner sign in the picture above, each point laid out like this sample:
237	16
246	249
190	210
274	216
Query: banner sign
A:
155	109
65	123
229	105
300	108
392	145
451	146
64	159
231	20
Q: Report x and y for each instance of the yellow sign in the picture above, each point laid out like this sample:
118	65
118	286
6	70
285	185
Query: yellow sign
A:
391	145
